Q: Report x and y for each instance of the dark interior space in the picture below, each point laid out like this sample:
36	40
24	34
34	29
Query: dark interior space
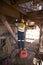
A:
21	32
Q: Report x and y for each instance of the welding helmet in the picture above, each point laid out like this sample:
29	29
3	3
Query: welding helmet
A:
31	23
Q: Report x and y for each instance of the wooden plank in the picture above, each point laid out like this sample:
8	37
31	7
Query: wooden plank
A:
3	37
8	10
22	1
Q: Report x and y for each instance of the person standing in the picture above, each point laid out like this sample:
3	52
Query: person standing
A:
21	34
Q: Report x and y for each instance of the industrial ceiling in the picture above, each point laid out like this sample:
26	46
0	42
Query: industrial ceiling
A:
33	9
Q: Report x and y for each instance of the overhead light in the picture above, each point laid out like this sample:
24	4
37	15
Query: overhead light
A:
37	7
40	7
16	20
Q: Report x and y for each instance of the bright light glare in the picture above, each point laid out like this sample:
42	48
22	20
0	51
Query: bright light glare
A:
32	34
42	62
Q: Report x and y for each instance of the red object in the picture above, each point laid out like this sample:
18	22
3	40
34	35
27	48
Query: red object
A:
23	54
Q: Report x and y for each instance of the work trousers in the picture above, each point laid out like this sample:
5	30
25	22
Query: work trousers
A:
21	39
